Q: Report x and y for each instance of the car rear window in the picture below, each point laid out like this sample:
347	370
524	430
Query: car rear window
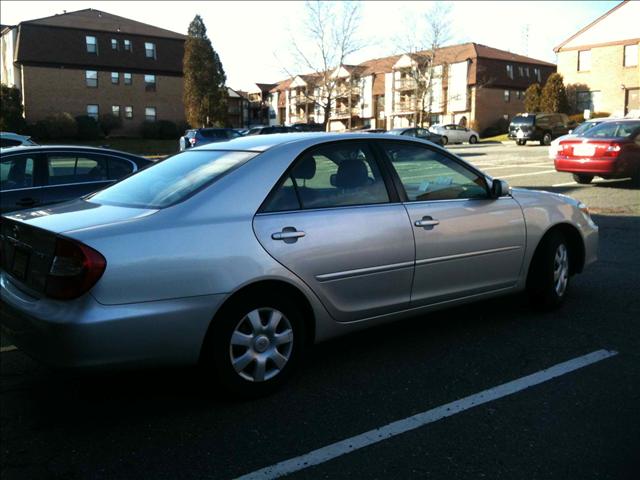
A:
613	130
214	133
522	120
172	180
584	127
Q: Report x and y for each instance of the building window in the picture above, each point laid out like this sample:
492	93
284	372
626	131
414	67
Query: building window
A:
128	78
631	55
150	50
507	96
536	73
115	78
92	44
584	60
586	100
521	71
115	110
150	114
526	71
510	71
128	112
91	78
92	111
127	45
150	83
114	44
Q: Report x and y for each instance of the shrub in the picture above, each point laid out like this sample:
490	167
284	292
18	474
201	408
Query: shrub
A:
60	126
88	128
162	129
554	95
499	127
150	129
109	122
168	129
11	119
38	131
532	98
579	117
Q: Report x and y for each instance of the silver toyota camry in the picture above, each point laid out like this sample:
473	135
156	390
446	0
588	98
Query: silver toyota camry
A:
240	255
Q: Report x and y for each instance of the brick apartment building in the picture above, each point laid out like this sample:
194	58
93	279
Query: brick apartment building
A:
90	62
602	62
473	84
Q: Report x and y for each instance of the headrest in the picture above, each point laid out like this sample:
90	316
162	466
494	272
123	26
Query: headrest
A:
352	174
306	169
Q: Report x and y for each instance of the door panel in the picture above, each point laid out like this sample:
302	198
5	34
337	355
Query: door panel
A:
358	260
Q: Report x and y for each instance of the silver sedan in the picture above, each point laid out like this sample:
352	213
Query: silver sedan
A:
240	255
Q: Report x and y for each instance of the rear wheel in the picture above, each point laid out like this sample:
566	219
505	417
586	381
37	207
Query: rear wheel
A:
521	142
473	139
546	139
582	179
444	140
255	344
549	272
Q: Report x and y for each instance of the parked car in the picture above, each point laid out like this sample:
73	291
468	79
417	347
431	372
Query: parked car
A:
308	127
542	127
241	254
43	175
579	130
610	150
202	136
419	133
8	139
455	133
268	130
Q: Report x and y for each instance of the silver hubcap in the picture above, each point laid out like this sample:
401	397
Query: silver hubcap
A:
561	270
261	344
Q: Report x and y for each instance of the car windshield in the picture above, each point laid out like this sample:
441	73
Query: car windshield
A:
172	180
584	127
522	120
613	130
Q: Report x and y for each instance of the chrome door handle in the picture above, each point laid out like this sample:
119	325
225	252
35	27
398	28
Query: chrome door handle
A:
288	233
427	222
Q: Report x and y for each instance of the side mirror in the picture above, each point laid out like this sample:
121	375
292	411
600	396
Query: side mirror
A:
500	188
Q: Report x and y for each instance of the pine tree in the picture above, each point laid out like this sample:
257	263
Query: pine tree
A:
11	118
205	94
532	98
554	95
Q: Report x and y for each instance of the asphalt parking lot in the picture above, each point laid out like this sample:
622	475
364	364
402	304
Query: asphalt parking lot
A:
580	420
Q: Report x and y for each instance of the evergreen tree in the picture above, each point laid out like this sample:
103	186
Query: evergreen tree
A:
11	119
205	94
532	98
554	95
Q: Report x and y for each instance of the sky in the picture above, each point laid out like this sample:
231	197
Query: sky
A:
253	38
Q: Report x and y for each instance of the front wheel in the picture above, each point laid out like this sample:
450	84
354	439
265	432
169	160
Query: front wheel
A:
548	279
521	142
444	140
255	345
473	139
582	179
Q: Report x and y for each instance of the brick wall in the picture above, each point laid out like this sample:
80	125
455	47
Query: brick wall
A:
488	106
54	90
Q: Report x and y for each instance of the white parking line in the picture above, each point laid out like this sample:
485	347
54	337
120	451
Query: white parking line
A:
390	430
10	348
564	184
521	165
528	174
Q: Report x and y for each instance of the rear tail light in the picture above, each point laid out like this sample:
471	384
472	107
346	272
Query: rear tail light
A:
612	150
74	270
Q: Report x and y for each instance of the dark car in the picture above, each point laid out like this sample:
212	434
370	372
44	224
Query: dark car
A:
308	127
201	136
268	130
34	176
418	133
542	127
610	150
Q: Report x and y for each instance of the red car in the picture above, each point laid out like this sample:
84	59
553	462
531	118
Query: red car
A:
610	150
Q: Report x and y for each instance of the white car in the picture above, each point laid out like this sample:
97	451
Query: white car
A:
579	130
8	139
453	133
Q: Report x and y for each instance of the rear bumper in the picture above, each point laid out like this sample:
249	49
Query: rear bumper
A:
85	333
594	166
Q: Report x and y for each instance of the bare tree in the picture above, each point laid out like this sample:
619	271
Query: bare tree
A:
421	42
329	36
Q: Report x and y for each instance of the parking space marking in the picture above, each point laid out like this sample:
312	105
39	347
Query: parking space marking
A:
566	184
529	174
390	430
611	180
519	165
10	348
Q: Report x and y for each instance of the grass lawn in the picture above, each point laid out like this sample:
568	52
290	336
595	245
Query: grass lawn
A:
497	138
139	146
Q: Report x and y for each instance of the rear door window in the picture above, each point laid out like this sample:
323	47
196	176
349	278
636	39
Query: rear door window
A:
119	168
69	168
17	171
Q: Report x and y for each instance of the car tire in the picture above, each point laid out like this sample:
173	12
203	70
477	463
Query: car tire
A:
521	142
473	139
242	350
549	273
444	140
582	179
546	139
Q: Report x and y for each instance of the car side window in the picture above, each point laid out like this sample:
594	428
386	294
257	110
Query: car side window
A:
332	176
429	175
16	171
421	132
72	168
119	168
9	142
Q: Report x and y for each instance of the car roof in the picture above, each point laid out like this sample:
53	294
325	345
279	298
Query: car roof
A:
16	136
36	148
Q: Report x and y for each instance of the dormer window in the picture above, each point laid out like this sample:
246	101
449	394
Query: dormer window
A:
92	44
150	50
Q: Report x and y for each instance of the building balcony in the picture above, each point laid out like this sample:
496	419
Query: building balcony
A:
301	99
404	107
299	118
406	84
342	112
343	91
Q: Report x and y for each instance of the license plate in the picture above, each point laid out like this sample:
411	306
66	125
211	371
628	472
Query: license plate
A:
20	263
584	150
520	134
